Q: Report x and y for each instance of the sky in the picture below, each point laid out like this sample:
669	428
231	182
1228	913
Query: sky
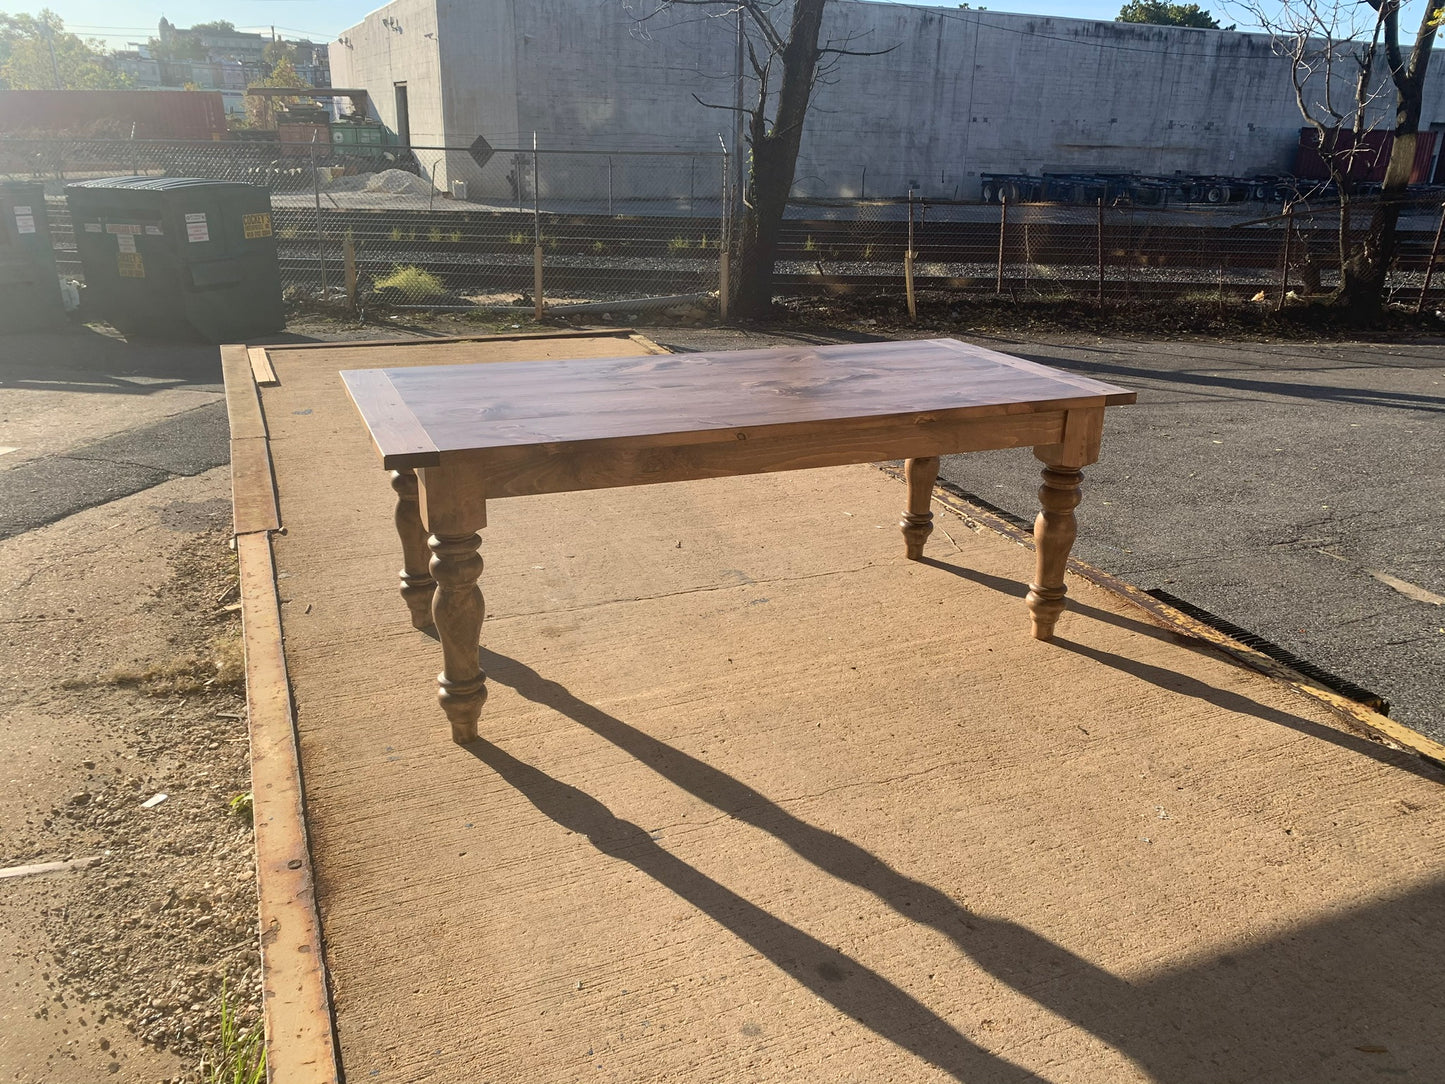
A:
118	22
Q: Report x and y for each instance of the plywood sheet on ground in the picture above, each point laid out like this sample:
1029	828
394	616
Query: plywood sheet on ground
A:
760	800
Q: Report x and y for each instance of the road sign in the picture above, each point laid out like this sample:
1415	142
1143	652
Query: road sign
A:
481	151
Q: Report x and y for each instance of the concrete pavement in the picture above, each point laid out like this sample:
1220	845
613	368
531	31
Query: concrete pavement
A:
1295	490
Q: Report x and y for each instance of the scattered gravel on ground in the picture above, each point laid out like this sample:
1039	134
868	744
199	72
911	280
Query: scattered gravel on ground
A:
153	933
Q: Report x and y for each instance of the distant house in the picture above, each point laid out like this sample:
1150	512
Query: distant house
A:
215	44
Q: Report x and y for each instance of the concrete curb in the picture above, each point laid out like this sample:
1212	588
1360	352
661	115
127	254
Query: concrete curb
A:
300	1023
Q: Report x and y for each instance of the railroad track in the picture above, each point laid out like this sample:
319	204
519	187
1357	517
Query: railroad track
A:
491	251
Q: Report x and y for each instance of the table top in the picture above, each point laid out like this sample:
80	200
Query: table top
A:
417	415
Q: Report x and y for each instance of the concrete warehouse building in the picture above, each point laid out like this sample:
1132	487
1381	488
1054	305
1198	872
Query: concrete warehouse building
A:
962	92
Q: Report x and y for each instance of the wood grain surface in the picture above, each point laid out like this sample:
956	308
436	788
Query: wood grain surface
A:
656	401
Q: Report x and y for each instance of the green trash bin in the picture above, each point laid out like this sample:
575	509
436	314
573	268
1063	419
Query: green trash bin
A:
178	256
29	284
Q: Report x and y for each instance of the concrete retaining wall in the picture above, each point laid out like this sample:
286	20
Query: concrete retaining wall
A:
961	92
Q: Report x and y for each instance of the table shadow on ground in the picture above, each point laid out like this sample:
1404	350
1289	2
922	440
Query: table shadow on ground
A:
1175	682
1334	991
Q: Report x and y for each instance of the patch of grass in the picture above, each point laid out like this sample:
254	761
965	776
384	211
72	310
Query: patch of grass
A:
434	234
598	246
228	654
288	233
1207	297
395	233
412	283
222	666
455	236
810	245
518	238
239	1056
678	244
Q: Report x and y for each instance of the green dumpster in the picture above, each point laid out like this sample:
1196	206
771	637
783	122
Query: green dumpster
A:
29	285
178	256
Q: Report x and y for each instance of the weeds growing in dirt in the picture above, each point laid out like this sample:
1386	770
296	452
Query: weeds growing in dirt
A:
240	1054
243	805
412	283
222	666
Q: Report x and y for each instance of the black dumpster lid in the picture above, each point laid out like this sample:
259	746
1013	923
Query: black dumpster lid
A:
159	184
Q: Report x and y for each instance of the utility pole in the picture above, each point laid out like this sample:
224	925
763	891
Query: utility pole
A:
50	41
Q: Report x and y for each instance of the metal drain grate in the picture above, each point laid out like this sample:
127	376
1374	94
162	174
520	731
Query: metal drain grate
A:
1343	686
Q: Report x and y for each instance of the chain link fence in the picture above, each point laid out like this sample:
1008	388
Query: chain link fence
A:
1101	252
566	231
431	227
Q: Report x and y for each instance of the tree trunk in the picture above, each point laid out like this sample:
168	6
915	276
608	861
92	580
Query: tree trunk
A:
1362	276
774	159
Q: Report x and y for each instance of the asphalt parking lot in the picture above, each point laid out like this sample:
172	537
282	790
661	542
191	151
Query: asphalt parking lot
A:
1294	490
1298	491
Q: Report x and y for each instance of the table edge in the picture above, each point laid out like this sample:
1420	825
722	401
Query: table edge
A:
902	421
418	449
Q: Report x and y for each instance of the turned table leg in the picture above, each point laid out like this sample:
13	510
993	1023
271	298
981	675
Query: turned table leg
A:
1055	528
1054	533
416	580
917	522
454	511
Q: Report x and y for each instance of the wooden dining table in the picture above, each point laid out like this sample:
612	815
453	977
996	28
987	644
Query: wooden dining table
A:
457	436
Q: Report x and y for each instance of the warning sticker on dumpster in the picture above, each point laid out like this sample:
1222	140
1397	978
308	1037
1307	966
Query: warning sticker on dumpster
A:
197	228
154	231
120	229
92	227
24	220
126	242
258	225
131	265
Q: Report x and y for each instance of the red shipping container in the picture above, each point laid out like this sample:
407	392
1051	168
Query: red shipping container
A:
150	114
1361	159
298	138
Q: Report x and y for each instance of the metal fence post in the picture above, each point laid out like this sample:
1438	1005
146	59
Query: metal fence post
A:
1100	246
725	239
1430	267
1284	257
1002	230
908	262
536	234
320	238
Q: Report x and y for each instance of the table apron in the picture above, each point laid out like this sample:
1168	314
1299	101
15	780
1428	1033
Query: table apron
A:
525	471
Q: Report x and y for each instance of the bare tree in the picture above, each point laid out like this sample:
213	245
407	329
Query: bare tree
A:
785	69
1334	48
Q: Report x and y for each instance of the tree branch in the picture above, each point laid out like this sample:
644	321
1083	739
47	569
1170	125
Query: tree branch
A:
857	52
